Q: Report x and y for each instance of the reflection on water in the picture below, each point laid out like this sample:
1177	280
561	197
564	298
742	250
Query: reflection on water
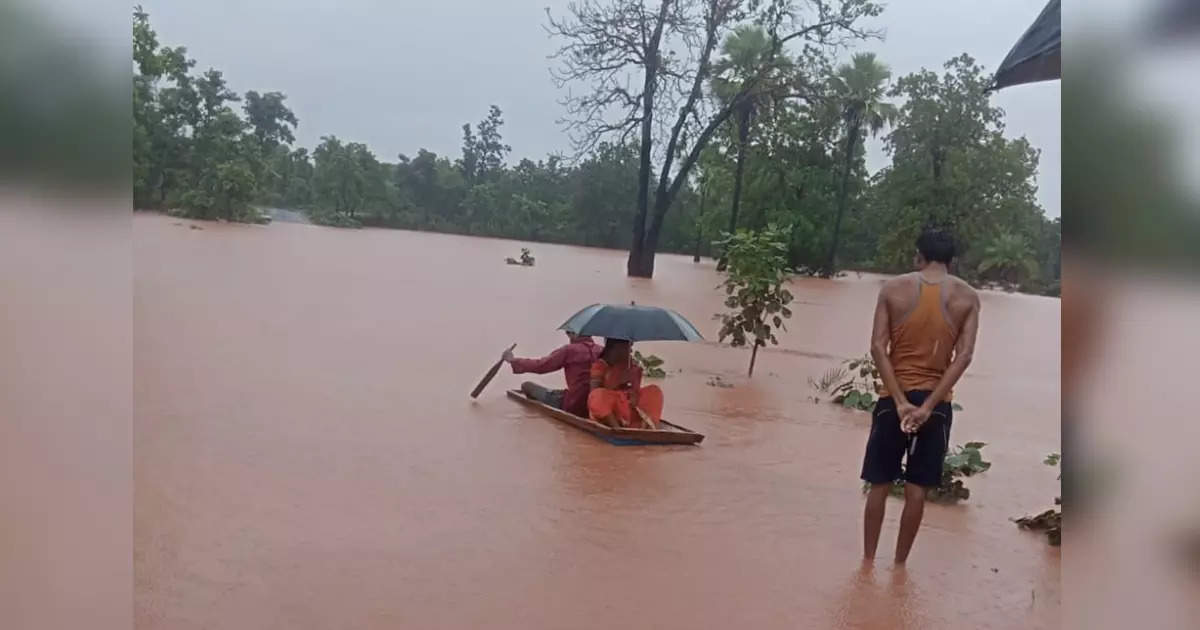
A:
306	455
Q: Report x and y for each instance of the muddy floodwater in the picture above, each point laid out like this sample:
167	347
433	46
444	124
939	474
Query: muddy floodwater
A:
306	455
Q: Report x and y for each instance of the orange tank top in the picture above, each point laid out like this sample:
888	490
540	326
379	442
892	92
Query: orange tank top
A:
922	344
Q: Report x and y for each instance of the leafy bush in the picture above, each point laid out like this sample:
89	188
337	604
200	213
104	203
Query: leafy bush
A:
526	259
852	386
855	385
651	365
961	461
857	390
1049	521
754	289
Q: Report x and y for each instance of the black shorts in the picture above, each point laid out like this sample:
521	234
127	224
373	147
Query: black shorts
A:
888	445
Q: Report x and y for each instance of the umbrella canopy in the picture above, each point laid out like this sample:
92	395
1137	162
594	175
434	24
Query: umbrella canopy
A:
1038	54
632	322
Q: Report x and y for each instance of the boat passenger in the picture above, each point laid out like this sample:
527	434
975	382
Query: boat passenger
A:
618	397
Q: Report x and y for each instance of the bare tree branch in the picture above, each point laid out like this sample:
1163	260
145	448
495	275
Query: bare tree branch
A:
668	48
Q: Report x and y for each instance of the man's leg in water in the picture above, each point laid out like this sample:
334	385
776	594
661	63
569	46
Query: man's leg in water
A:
910	520
881	466
873	518
922	471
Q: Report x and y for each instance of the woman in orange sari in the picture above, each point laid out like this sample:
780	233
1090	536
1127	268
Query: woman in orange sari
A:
617	397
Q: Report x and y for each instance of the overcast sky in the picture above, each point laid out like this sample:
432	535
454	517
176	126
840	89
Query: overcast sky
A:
400	75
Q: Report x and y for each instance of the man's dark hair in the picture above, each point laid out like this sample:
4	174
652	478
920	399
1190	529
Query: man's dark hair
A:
936	246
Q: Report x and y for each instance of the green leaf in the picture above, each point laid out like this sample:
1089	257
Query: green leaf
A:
956	407
974	445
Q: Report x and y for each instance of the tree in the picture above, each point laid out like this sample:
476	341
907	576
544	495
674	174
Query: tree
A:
750	119
604	194
671	47
754	289
165	108
484	150
490	147
270	119
347	180
747	51
951	168
469	162
860	86
1009	258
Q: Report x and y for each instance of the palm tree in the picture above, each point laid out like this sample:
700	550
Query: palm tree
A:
860	86
745	52
1009	257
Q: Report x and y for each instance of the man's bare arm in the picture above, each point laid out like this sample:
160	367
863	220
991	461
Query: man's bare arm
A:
880	338
964	351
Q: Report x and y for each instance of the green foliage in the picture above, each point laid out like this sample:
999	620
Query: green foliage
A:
754	288
191	151
829	380
859	88
792	120
953	167
651	365
347	180
671	53
270	119
961	462
1049	521
749	79
526	259
332	218
852	385
1008	258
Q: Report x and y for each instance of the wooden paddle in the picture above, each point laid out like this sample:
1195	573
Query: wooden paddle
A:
487	378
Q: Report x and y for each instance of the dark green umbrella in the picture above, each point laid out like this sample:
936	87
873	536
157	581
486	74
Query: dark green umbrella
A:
632	323
1037	56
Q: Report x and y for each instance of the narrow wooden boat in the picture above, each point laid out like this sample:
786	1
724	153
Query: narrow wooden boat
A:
667	433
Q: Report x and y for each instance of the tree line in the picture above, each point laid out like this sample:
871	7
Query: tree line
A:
738	134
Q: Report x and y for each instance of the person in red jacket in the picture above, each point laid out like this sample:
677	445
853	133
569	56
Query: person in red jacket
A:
575	360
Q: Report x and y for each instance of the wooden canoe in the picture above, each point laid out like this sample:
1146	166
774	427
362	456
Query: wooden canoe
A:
667	433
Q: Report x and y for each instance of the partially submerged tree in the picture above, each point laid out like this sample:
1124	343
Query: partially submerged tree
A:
747	52
1008	258
347	180
861	87
754	289
606	43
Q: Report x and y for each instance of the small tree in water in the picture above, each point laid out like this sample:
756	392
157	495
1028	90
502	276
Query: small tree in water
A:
756	272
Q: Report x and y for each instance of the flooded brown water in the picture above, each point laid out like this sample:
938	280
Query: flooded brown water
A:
306	456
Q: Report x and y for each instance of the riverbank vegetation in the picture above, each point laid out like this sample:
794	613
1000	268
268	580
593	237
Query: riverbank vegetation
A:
756	294
772	131
1049	521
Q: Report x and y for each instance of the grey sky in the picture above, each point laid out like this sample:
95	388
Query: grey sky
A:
402	75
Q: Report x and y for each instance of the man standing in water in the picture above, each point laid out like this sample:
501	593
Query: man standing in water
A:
922	342
575	360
